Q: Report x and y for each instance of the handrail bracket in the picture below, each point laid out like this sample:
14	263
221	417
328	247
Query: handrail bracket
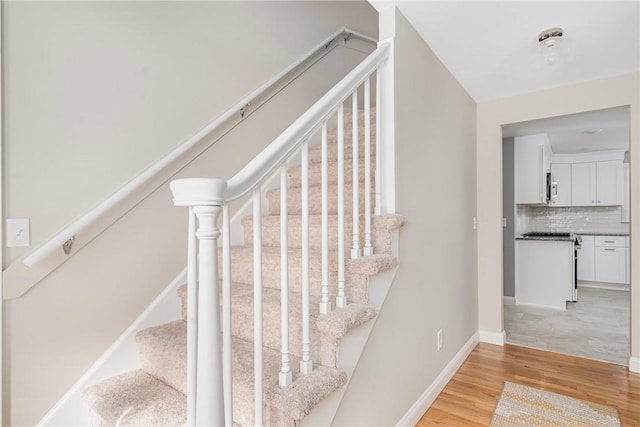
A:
66	246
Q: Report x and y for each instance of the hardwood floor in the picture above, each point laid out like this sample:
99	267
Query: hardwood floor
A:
472	394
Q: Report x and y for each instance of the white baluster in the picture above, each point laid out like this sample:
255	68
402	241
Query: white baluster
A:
355	250
192	319
285	378
378	208
210	397
306	365
227	332
341	299
257	307
325	304
368	249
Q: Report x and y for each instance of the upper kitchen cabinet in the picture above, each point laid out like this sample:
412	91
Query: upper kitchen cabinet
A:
597	183
561	185
583	184
609	183
597	178
532	161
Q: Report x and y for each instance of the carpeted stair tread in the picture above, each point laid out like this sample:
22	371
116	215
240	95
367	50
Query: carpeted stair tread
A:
333	325
136	399
381	228
303	395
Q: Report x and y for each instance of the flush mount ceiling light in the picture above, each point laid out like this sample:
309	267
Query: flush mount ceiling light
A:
592	131
549	38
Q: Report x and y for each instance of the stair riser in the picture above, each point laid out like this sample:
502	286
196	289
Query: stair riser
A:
315	171
294	200
271	233
315	150
242	272
323	349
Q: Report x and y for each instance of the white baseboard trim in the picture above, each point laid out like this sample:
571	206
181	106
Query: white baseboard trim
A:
634	364
145	320
427	398
497	338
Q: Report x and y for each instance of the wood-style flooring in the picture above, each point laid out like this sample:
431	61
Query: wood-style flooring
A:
472	394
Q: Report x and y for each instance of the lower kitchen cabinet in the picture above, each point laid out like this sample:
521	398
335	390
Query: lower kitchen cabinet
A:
611	264
604	259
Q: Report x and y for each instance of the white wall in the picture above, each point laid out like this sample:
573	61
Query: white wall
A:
132	79
97	91
435	287
605	93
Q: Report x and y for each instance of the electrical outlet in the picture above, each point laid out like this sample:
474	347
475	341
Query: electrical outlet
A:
439	337
17	232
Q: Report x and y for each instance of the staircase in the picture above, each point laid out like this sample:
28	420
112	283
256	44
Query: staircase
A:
155	394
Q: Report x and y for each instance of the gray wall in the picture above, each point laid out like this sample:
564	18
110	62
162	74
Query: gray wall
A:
163	70
508	212
436	284
97	91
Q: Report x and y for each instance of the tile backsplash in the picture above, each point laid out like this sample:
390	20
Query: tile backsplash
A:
575	220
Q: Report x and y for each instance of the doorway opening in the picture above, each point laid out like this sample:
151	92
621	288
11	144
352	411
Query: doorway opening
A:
566	230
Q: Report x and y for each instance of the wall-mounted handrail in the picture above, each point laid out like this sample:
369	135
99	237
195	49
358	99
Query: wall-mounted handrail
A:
86	220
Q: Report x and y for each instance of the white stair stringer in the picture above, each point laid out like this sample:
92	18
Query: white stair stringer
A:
350	351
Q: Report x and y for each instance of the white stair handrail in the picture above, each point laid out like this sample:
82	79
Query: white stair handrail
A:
213	195
69	233
266	162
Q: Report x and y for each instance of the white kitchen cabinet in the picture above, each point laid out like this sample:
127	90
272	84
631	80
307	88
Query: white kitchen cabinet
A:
587	258
561	176
609	183
531	162
610	257
583	184
597	183
544	273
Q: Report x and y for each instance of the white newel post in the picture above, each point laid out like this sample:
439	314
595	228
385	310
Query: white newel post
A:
385	134
205	197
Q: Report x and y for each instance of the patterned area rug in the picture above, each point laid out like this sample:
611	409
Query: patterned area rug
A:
522	406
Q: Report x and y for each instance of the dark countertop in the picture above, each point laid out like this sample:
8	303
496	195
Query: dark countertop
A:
555	239
602	234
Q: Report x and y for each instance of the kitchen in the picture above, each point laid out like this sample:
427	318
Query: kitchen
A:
566	235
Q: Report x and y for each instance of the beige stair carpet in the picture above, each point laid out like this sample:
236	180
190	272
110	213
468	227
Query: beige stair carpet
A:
154	395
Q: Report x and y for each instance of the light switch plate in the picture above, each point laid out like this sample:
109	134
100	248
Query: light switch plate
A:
17	232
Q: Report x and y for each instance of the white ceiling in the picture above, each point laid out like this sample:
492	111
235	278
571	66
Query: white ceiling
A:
492	48
566	133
